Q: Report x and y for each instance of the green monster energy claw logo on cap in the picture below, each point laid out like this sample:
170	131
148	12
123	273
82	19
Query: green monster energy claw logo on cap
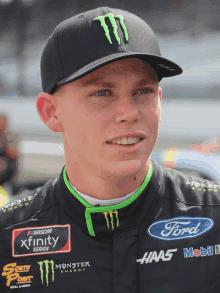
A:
112	18
165	67
47	268
111	214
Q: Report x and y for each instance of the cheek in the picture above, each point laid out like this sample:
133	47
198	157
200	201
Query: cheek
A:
73	125
153	113
158	113
156	109
84	127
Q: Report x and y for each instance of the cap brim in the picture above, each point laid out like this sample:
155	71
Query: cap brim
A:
162	66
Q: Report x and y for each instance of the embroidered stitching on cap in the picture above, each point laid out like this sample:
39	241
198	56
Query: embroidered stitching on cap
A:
112	17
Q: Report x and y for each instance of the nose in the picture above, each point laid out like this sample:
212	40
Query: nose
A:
127	111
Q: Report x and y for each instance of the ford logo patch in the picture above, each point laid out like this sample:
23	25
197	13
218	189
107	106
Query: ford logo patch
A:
180	228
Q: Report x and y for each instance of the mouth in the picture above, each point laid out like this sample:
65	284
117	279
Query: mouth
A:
129	142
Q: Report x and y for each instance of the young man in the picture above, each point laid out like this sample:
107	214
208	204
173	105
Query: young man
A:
113	221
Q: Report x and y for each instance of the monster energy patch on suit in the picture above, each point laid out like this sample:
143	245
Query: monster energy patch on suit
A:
46	268
47	272
41	240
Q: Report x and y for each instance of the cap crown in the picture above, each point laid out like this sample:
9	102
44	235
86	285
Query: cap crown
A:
92	39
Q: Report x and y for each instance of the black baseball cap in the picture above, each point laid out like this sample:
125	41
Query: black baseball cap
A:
92	39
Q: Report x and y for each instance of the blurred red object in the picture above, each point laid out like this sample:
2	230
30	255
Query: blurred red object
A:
206	148
10	151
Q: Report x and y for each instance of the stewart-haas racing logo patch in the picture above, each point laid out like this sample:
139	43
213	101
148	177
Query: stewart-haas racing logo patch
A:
180	228
41	240
157	256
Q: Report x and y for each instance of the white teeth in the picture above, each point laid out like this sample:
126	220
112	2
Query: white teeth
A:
132	140
126	140
118	141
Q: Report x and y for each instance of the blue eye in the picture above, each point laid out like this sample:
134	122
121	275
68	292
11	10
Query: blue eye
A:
102	93
144	91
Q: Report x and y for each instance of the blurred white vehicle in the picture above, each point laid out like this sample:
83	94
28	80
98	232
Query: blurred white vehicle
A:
202	165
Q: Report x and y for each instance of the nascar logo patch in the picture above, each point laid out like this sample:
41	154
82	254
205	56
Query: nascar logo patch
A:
41	240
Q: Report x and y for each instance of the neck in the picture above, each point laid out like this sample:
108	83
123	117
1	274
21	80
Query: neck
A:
107	186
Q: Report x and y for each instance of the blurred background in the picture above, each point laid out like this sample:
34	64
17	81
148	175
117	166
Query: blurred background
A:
188	33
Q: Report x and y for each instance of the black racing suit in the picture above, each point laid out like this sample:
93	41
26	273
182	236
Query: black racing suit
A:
164	239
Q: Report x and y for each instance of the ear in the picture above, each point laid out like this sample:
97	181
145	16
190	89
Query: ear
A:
160	97
160	93
46	105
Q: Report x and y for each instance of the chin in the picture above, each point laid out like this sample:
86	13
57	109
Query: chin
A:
127	168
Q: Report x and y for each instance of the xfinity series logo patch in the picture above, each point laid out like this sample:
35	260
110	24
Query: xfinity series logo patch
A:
180	228
157	256
41	240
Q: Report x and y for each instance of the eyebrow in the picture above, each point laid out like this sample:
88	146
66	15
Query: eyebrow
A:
145	81
96	82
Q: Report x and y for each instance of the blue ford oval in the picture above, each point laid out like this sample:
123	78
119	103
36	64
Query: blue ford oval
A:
180	228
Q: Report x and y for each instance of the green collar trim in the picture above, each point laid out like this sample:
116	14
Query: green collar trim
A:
91	209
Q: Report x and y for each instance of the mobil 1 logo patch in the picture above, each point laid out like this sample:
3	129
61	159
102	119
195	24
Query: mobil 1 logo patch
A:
41	240
180	228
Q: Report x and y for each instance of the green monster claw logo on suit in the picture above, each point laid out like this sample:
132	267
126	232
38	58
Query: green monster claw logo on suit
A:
46	263
111	213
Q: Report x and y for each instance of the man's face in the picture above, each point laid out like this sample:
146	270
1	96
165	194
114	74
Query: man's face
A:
116	100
